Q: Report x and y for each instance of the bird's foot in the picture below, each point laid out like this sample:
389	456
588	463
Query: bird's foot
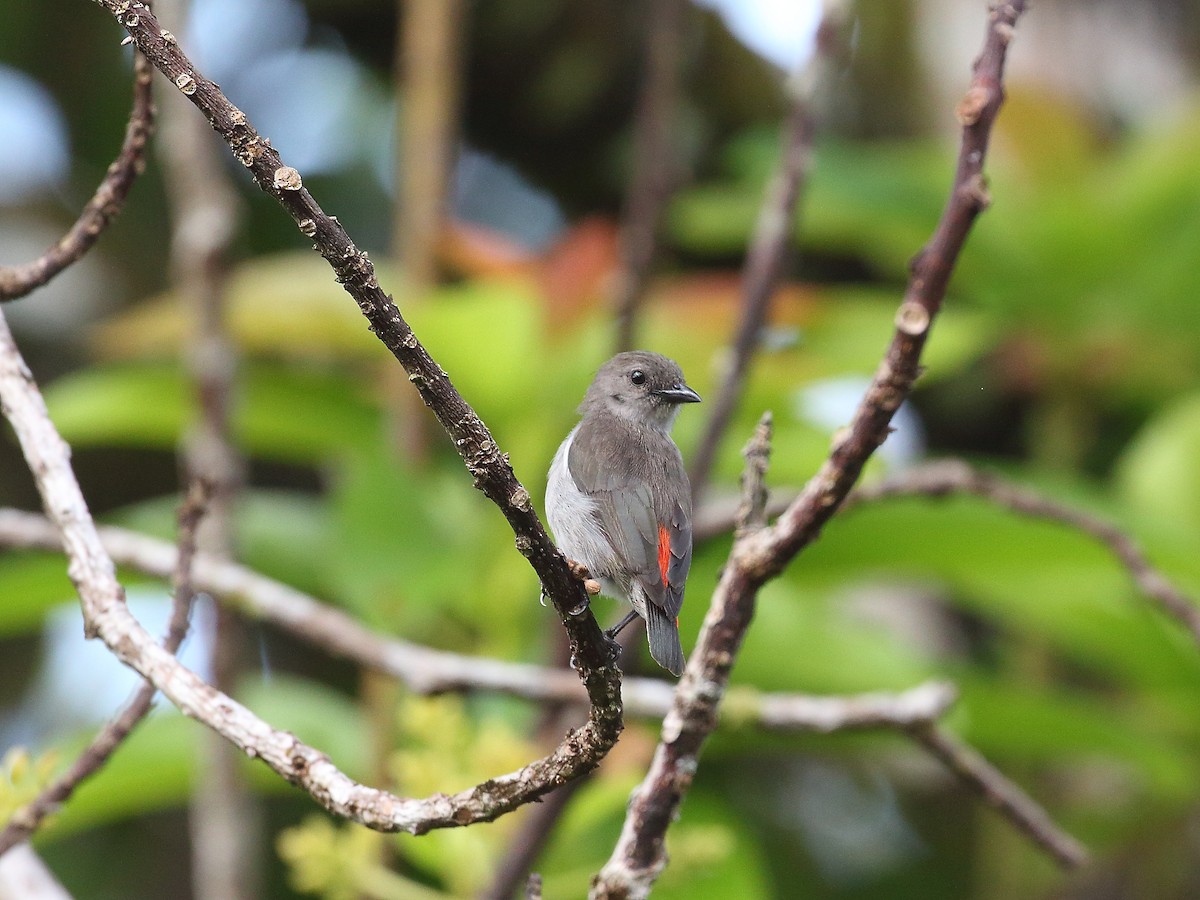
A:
580	571
612	633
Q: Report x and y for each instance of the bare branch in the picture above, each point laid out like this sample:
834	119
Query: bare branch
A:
427	671
956	477
489	466
801	523
1001	794
760	554
106	616
770	245
639	856
29	818
106	203
655	160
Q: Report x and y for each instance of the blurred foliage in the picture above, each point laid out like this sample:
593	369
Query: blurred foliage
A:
22	778
1068	357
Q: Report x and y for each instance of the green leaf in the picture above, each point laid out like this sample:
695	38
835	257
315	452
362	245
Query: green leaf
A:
1158	474
31	584
281	412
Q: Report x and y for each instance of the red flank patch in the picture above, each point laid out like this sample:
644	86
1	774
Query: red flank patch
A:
664	551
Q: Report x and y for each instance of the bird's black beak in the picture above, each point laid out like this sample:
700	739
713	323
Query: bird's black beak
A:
680	393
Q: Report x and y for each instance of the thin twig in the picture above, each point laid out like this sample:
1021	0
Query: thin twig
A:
1000	794
655	160
770	244
428	671
26	820
956	477
759	555
489	466
106	202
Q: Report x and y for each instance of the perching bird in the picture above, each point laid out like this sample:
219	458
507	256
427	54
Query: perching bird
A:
618	498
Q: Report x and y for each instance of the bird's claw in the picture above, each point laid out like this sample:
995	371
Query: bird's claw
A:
580	571
614	647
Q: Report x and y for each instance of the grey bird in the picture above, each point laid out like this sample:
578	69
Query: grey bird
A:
618	497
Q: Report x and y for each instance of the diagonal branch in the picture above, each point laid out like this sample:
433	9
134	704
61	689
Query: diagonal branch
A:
930	270
106	202
759	554
770	244
1001	794
488	465
956	477
639	856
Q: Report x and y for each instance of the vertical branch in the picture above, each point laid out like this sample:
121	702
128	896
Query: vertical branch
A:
655	161
205	210
770	244
639	856
427	50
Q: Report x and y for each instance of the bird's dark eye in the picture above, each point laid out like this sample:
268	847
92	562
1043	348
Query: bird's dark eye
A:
637	376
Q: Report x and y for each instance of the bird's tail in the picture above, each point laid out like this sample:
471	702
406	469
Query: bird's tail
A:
663	633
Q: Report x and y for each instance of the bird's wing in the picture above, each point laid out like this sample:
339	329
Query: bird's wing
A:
652	530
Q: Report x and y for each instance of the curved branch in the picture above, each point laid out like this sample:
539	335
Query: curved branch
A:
106	202
106	616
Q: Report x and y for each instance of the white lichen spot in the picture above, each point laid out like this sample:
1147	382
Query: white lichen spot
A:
672	727
308	227
287	179
912	318
186	83
167	36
